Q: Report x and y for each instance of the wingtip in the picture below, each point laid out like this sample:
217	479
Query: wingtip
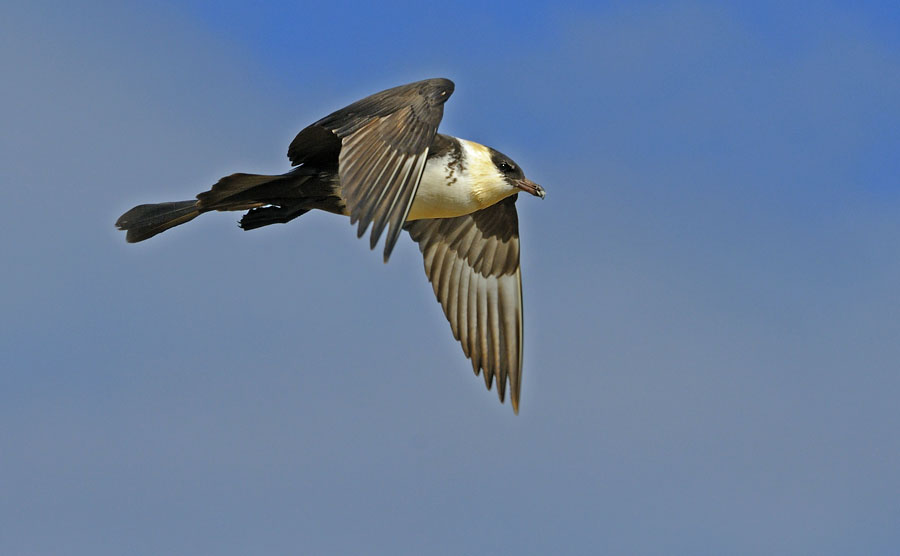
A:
440	87
389	243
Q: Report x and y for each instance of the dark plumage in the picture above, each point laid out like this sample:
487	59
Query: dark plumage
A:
381	162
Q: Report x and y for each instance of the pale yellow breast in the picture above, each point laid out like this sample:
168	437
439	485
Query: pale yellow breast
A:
473	185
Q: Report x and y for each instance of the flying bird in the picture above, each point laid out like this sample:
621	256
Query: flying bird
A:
381	162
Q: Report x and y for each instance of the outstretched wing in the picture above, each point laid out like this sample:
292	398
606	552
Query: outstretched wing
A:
384	142
472	262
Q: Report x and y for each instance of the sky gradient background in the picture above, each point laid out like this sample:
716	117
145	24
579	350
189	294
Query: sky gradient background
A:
711	286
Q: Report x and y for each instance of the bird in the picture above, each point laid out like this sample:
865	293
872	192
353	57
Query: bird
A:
381	162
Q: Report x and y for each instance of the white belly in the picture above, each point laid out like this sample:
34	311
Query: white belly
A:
438	197
447	191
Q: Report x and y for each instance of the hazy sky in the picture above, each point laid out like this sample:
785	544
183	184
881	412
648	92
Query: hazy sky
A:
712	319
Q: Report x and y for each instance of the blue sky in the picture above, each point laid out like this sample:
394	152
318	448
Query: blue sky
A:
711	286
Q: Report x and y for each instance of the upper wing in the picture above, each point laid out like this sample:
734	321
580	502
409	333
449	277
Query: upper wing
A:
472	262
384	142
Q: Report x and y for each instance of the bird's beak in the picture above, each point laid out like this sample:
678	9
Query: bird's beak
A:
529	186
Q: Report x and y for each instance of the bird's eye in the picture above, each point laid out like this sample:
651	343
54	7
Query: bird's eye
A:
506	167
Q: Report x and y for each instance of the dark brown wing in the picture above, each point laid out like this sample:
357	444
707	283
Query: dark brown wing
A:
472	262
384	146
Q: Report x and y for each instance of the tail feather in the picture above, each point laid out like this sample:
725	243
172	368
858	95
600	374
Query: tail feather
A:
264	216
270	200
145	221
236	192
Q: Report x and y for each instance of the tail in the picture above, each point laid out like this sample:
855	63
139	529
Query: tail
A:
145	221
270	200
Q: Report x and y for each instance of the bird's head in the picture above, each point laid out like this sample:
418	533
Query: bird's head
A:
512	174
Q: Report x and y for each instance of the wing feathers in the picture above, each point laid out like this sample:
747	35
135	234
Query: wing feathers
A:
473	264
484	355
453	294
471	322
471	261
493	322
384	146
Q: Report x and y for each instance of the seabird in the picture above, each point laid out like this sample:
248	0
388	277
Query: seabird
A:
380	161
